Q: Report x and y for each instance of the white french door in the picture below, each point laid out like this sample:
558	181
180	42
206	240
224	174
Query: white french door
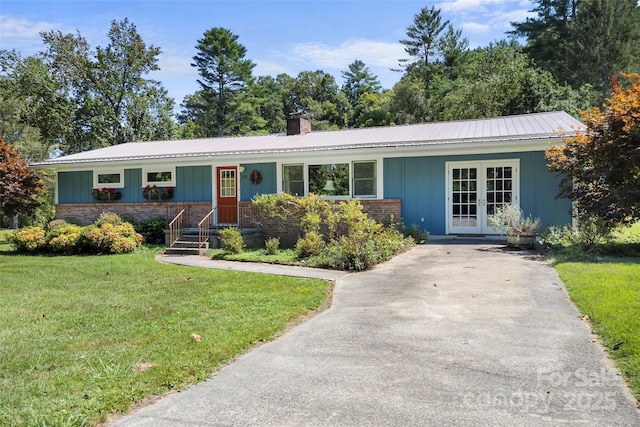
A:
475	190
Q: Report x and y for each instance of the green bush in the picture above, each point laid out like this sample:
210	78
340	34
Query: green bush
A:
112	239
310	245
271	245
108	218
232	240
29	239
416	233
356	254
65	238
152	229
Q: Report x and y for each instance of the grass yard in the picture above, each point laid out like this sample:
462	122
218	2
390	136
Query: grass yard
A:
609	293
287	256
85	336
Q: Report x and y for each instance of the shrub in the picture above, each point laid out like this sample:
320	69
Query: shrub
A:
152	229
232	240
416	233
65	238
112	239
29	239
108	218
52	225
356	254
271	245
310	245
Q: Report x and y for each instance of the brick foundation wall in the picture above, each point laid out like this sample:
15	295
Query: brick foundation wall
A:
87	213
380	210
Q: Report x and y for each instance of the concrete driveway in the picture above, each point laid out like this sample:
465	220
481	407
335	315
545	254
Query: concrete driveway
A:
443	335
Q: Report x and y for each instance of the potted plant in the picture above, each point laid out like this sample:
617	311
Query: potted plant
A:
153	192
521	231
105	194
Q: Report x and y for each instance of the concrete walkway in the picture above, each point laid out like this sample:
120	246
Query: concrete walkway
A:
443	335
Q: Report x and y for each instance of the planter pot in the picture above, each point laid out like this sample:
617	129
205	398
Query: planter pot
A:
107	197
161	195
518	241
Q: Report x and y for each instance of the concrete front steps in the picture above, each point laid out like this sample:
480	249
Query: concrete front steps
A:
187	245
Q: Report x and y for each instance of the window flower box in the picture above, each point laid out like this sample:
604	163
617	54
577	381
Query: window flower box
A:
105	194
153	192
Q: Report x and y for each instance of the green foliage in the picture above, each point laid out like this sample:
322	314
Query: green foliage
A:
112	239
65	238
29	239
152	229
108	218
224	73
271	245
310	245
102	237
353	241
600	166
511	218
232	240
416	233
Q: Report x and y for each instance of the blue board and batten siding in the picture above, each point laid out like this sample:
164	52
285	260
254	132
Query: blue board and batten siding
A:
193	184
267	185
420	183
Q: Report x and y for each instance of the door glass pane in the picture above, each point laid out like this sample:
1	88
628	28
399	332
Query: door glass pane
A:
228	183
499	184
464	197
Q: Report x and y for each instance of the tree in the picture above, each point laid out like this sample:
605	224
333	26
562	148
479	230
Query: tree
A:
357	82
547	34
223	71
423	42
19	185
601	165
501	81
604	40
107	99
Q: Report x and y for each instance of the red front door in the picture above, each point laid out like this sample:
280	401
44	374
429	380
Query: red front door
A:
227	195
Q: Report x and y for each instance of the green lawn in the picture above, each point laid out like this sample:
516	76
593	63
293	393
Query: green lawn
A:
609	293
85	336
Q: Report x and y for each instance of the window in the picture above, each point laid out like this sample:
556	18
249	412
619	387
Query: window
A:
364	179
227	183
329	180
108	178
357	179
293	179
165	177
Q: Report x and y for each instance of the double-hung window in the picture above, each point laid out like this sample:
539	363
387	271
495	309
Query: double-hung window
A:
293	179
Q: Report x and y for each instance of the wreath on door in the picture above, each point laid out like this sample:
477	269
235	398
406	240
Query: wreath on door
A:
255	177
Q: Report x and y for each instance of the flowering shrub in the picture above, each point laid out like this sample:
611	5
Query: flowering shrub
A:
29	239
108	235
65	238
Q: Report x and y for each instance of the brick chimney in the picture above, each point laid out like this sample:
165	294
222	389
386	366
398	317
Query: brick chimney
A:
298	124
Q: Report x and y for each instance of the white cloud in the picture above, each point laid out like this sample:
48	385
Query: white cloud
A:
20	33
475	28
320	55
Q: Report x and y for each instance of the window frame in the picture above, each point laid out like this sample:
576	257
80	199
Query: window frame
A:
163	169
373	179
351	178
304	179
110	171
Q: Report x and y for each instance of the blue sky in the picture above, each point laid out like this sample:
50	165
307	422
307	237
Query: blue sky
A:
280	36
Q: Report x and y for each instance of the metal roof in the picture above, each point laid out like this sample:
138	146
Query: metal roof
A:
524	127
